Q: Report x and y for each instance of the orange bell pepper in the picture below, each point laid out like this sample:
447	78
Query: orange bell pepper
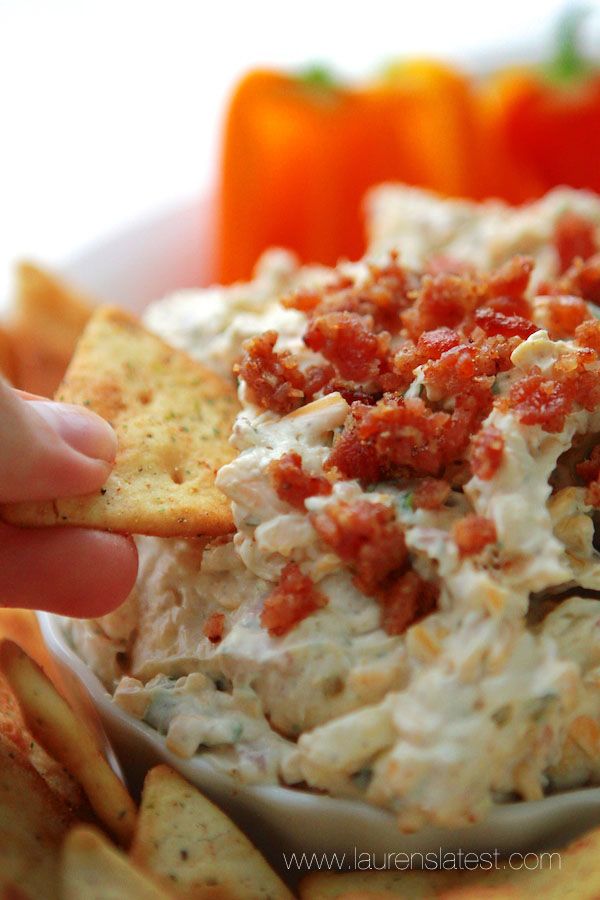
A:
542	126
299	153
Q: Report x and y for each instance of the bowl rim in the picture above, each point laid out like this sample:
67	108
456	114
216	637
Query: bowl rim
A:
510	814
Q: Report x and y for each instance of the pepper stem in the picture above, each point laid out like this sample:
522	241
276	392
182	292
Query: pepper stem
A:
568	62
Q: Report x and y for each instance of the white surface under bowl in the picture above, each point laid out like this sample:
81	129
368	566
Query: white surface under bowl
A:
138	265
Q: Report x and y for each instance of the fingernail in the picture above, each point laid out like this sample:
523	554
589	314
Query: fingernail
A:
81	429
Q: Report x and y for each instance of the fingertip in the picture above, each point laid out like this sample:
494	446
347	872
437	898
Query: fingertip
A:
70	571
119	555
80	428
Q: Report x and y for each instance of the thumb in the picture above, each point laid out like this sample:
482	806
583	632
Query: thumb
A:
50	450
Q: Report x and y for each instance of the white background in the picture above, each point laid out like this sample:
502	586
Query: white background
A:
111	109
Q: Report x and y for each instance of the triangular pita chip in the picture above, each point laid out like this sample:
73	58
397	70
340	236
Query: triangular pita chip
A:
173	418
47	320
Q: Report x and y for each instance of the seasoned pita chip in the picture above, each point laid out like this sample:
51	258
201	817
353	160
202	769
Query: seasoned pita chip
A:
194	848
13	728
48	319
173	419
33	823
66	737
92	869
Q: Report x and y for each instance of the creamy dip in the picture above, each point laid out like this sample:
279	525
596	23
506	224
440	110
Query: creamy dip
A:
495	694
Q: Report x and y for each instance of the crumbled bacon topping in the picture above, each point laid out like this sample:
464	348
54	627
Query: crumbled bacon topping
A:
587	278
564	315
509	283
493	322
588	334
351	457
582	279
214	627
432	344
292	483
408	599
406	434
382	296
472	533
430	493
374	331
442	300
293	599
574	238
347	341
366	536
546	399
539	399
404	438
455	368
487	450
274	380
458	329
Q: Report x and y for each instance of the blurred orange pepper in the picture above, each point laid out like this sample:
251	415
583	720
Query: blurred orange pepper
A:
541	126
299	154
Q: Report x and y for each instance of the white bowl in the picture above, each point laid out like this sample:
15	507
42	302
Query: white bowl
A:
136	266
283	820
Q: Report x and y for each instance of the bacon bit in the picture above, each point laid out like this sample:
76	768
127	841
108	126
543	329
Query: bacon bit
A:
351	457
574	237
588	279
304	301
511	306
454	370
471	407
274	379
432	344
494	352
430	493
472	533
387	294
399	437
345	340
541	400
366	536
292	484
588	334
512	279
409	599
442	300
405	433
589	469
582	279
564	315
316	378
293	599
493	322
487	450
405	362
214	627
382	295
586	386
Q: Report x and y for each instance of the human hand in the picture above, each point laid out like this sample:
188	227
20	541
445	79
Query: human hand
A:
50	450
